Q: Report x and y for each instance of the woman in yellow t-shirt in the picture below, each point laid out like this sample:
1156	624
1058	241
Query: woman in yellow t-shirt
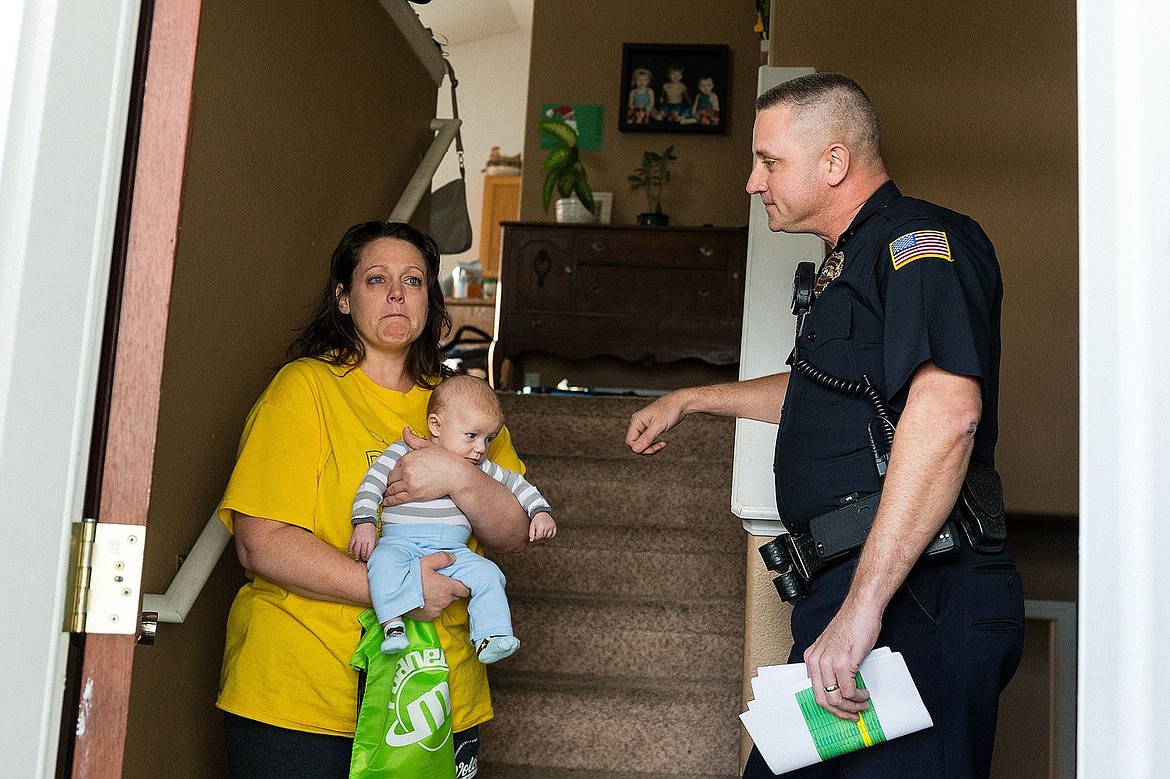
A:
359	374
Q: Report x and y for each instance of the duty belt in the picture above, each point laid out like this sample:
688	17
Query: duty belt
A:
833	536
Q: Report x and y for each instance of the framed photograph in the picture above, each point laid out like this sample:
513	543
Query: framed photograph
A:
674	88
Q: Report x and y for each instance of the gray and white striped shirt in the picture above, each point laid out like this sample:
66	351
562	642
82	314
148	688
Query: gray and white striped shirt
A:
439	511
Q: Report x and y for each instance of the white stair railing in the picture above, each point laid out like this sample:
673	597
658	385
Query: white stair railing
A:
420	182
176	602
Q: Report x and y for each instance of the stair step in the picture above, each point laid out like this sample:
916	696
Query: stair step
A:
632	616
658	492
617	724
596	427
594	635
635	561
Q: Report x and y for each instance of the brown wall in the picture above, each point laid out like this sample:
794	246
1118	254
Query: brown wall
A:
577	58
308	117
978	104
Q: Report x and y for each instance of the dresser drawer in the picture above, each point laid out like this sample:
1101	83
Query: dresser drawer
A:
649	247
661	291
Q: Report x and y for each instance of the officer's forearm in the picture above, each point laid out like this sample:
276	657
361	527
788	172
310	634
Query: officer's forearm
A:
760	398
931	451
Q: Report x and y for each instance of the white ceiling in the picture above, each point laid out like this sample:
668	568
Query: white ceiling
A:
462	21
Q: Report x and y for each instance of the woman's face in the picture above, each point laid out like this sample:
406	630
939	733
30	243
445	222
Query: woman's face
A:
387	296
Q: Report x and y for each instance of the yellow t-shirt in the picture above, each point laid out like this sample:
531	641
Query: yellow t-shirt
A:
307	444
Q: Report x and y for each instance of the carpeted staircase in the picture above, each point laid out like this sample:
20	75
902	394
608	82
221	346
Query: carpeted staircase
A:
632	617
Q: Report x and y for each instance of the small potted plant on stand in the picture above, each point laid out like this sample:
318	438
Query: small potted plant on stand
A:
565	174
652	176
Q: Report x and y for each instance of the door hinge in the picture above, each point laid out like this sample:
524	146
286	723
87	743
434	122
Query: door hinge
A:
106	582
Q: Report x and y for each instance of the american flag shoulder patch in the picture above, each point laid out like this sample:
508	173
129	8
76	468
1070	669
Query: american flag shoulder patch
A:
919	244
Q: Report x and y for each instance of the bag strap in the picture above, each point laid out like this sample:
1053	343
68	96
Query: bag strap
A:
455	114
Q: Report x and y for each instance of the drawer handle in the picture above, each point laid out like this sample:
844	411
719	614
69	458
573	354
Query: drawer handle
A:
541	265
704	293
569	269
595	289
537	324
598	246
706	251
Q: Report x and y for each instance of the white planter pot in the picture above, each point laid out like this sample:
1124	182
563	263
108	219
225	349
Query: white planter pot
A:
570	209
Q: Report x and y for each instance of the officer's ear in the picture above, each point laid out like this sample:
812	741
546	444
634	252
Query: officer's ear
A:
836	163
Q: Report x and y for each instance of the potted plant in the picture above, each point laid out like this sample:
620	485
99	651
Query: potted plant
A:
565	174
652	176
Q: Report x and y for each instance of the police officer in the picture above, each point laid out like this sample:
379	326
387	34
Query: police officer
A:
908	299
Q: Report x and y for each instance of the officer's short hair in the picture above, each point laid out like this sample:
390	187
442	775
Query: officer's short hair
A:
840	99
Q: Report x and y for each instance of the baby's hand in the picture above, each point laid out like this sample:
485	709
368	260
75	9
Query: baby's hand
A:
542	527
363	541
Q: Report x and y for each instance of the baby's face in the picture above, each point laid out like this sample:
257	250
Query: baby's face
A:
676	75
466	432
642	80
706	85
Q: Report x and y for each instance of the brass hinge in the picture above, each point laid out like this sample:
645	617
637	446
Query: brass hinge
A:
106	580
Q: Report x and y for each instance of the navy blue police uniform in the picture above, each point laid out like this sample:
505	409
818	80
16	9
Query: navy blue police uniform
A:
919	283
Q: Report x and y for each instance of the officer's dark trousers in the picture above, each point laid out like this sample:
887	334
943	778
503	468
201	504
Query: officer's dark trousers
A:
960	627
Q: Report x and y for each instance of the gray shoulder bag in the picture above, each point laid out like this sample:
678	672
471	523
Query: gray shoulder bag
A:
450	224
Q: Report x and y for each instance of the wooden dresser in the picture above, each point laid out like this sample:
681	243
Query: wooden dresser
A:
644	294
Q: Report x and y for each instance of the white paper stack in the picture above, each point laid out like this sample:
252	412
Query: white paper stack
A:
790	737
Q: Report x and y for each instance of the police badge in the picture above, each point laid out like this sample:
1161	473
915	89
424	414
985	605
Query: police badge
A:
830	269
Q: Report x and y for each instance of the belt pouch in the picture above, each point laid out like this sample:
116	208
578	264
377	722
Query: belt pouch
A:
844	529
981	509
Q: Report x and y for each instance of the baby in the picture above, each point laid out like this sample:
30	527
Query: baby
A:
463	417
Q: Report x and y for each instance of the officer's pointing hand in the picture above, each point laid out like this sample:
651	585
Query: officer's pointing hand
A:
652	421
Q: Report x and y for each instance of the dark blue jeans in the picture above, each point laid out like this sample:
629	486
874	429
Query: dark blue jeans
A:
960	627
257	750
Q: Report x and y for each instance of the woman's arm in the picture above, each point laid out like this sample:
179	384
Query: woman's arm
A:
303	564
431	472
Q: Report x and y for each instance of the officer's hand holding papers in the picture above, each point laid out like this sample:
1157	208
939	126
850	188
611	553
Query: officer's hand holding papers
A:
791	730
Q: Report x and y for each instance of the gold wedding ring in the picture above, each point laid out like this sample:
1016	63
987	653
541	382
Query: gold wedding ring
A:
832	688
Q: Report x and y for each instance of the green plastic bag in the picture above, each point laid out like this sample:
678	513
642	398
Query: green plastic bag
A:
404	707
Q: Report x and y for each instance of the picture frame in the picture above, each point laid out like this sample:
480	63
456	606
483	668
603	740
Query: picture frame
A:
674	88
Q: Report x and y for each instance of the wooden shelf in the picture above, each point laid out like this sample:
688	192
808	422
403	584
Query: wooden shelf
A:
477	312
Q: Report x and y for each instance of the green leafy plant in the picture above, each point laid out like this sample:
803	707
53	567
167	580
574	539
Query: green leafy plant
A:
564	172
652	176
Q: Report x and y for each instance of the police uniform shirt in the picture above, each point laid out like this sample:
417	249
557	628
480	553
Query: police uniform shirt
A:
920	283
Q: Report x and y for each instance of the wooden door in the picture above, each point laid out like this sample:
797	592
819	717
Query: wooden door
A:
501	202
95	710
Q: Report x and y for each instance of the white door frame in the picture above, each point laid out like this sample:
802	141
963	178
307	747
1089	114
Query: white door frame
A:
1124	110
65	74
